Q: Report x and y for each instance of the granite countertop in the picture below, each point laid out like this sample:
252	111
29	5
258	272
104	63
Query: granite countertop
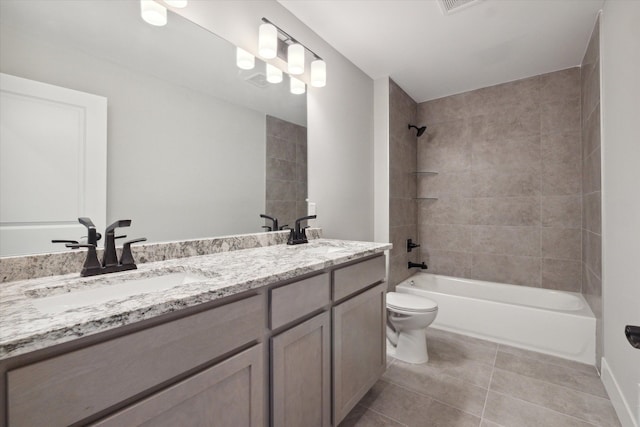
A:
25	328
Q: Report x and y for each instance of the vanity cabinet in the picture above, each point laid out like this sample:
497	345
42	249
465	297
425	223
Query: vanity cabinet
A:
229	394
301	374
359	322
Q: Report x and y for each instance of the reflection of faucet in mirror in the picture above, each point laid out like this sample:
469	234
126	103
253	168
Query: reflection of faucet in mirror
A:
274	224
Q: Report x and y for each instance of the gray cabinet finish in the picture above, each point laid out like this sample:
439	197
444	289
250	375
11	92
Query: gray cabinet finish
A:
351	279
71	387
301	374
359	352
229	394
292	301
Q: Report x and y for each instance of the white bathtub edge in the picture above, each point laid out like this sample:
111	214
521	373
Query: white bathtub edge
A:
625	415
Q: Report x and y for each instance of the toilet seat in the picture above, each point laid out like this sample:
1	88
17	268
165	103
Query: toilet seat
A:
410	304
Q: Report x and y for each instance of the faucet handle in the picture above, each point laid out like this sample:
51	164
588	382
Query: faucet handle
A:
127	257
118	224
91	264
268	228
73	242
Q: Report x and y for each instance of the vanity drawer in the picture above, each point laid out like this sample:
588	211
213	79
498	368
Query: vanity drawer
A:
355	277
66	389
294	300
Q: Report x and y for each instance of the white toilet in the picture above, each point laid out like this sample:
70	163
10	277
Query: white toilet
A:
407	319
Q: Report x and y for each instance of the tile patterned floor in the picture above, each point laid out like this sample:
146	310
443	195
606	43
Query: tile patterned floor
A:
476	383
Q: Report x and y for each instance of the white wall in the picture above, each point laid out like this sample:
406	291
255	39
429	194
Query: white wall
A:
381	159
620	56
340	116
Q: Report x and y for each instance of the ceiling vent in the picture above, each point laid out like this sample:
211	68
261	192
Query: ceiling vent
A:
258	79
451	6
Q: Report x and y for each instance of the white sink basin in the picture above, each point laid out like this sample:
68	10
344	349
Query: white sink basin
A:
125	287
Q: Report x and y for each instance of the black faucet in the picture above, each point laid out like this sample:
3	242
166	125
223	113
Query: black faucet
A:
274	223
298	234
415	264
110	258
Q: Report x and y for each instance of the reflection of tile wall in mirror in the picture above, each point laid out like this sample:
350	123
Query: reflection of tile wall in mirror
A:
186	127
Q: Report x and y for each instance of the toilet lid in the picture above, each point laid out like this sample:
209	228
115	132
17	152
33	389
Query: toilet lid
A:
408	302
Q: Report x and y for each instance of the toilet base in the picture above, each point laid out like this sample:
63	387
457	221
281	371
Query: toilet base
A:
412	347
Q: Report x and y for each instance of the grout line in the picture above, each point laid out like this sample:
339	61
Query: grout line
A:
381	414
545	408
545	361
486	398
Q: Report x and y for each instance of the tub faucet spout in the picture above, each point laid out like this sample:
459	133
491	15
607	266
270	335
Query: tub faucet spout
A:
415	264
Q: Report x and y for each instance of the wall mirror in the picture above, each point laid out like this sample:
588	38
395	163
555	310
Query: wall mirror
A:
195	147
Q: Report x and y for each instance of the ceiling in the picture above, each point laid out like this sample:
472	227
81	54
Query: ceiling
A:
431	55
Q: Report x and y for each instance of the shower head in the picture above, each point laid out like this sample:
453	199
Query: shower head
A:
419	129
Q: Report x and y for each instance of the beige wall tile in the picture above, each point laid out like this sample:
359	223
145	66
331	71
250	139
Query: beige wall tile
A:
591	173
592	212
561	211
446	237
445	210
515	270
507	155
592	251
561	163
561	243
506	240
591	88
560	85
491	183
560	116
445	184
524	211
515	122
562	274
591	132
448	263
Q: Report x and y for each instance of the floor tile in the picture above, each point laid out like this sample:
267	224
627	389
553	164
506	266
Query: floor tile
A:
587	407
363	417
432	382
510	412
461	346
541	357
487	423
413	409
555	374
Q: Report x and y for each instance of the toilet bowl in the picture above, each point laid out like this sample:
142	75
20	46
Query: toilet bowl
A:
407	319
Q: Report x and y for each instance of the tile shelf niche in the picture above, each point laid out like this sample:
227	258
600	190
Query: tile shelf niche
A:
425	173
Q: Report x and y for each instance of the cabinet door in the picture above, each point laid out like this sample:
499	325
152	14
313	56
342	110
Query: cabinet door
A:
359	353
229	394
301	377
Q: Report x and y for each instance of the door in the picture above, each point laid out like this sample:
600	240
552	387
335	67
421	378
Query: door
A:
53	164
229	394
359	348
301	378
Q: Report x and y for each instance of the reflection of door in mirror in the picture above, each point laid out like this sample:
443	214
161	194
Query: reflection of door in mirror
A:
286	186
53	157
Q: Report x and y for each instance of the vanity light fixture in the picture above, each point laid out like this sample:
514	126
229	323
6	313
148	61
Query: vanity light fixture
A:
268	40
153	13
295	59
274	74
318	73
297	87
295	54
245	60
176	3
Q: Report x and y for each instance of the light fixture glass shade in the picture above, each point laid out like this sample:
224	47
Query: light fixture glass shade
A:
274	74
176	3
153	13
295	59
318	73
297	86
244	59
268	41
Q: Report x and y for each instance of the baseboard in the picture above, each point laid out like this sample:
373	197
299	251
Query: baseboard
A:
621	406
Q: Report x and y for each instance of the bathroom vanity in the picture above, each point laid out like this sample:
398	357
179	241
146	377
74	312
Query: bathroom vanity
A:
278	335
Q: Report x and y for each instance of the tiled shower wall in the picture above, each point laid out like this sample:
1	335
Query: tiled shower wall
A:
591	199
504	201
402	186
286	169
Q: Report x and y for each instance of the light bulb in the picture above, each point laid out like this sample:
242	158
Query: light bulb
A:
244	59
274	74
295	59
268	41
318	73
153	13
297	87
176	3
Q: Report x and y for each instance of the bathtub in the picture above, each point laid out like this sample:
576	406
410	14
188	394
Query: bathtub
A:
552	322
